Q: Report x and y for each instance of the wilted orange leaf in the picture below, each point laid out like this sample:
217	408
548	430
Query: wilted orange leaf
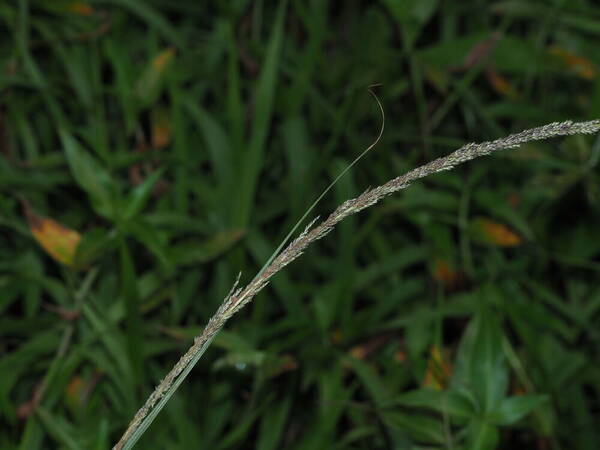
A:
287	363
74	390
500	84
438	372
161	129
579	65
337	337
28	407
445	274
519	390
497	233
363	350
480	51
81	8
59	241
359	352
514	200
79	389
63	313
400	356
151	78
162	59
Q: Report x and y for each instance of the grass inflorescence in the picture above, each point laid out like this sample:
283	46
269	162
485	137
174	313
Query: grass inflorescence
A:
151	150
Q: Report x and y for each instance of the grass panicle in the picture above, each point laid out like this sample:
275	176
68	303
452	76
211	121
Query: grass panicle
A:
239	297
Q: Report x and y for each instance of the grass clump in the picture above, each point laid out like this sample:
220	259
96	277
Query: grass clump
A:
152	150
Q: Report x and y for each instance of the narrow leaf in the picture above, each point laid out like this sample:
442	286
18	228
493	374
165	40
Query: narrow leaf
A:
265	96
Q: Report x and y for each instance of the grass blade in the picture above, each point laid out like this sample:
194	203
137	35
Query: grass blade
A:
265	96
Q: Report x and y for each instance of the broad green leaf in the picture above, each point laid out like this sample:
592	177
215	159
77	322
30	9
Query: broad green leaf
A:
482	436
102	437
241	427
239	352
151	239
333	399
93	244
194	251
513	409
273	423
480	365
489	375
115	344
90	176
218	146
241	360
419	427
455	403
58	427
374	385
139	196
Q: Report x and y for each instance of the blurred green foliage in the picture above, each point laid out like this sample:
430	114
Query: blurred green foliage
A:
182	140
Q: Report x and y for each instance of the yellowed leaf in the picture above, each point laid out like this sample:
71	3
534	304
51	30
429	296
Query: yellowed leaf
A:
579	65
363	350
337	337
80	8
400	356
359	352
481	50
153	74
501	85
162	59
74	391
79	389
445	274
286	363
439	370
497	233
161	129
57	240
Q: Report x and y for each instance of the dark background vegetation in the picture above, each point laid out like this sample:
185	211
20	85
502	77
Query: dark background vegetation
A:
181	140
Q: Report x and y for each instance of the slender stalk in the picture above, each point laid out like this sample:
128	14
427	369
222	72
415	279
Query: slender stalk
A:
239	297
